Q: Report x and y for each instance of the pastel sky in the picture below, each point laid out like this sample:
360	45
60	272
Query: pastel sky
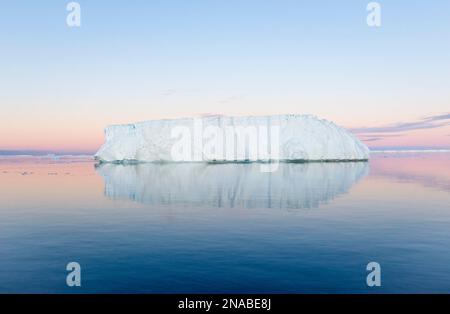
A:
139	60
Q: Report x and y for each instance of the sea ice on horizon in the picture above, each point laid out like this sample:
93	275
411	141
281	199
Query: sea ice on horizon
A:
298	137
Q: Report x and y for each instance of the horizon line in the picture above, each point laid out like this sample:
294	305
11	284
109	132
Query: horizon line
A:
37	152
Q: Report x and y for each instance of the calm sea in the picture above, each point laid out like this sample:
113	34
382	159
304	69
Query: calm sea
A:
222	228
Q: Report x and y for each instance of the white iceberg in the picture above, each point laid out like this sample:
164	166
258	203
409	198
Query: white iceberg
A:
229	139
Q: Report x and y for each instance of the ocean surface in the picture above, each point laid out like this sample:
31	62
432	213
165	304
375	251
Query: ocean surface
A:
225	228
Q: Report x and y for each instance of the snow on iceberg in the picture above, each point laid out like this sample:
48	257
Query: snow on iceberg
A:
222	138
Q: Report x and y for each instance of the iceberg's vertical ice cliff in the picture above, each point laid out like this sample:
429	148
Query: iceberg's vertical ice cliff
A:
280	137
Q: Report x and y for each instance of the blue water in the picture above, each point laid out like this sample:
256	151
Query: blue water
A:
306	228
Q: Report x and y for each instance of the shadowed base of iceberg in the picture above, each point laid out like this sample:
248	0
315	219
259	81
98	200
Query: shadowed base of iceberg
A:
295	185
217	162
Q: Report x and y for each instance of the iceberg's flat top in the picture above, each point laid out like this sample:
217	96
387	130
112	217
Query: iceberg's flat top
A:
223	138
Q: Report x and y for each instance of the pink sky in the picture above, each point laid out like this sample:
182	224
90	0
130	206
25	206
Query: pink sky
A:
86	136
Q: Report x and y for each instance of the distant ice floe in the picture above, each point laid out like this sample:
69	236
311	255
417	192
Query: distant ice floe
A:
292	186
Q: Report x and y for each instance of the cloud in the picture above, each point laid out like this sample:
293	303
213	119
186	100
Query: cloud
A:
169	92
431	122
440	117
230	99
380	135
376	136
372	139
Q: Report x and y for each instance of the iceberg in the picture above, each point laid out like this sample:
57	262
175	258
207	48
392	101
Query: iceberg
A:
231	139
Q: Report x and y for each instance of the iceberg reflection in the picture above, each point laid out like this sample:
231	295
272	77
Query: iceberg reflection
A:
292	186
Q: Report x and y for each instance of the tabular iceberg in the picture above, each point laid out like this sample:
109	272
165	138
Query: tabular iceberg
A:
228	139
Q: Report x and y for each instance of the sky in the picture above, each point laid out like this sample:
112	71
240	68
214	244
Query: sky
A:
141	60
